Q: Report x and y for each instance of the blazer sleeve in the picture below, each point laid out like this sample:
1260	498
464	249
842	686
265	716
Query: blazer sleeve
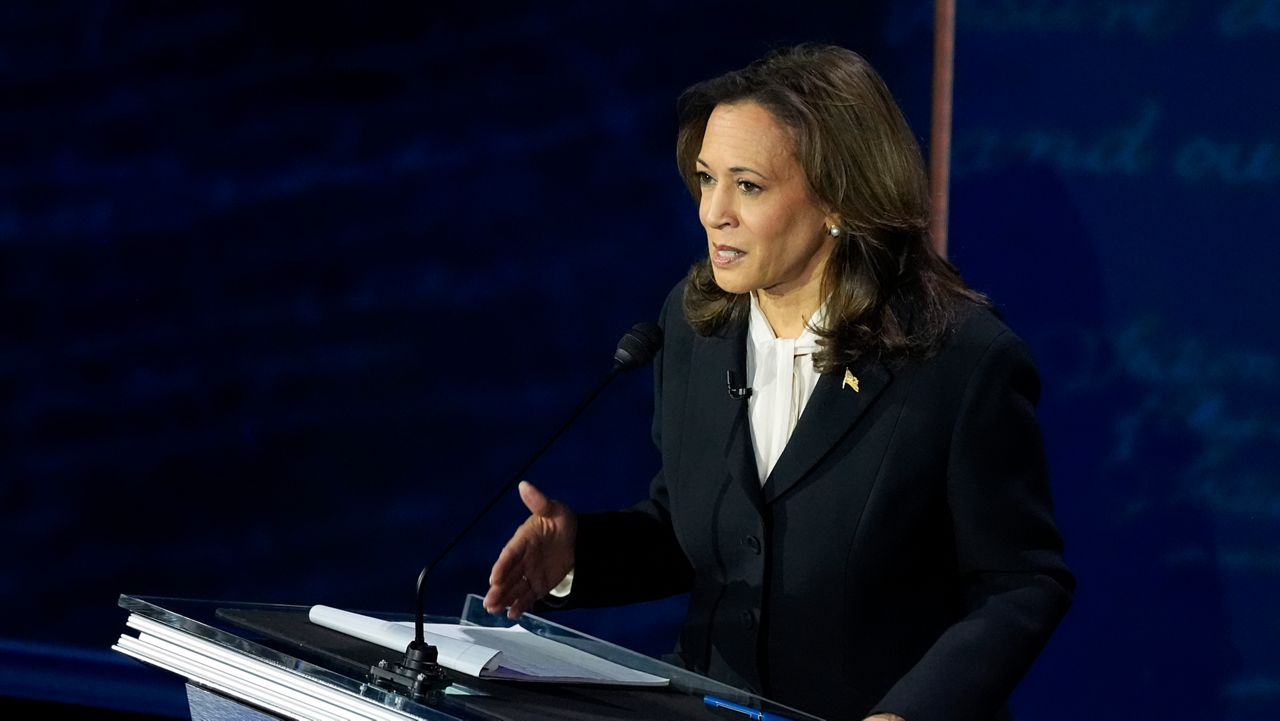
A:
1014	585
633	555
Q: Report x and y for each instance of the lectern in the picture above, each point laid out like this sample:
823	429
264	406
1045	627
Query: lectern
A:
262	662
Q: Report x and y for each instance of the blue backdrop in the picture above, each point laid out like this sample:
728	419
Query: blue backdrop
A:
286	291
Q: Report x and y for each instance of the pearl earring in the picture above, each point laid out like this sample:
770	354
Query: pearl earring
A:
834	231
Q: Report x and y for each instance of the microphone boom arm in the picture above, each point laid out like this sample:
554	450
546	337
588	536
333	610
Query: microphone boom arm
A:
426	570
419	672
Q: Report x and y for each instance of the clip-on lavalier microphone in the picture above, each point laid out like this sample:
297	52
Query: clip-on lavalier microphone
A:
735	392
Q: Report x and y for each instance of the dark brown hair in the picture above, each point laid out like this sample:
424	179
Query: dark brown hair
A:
889	292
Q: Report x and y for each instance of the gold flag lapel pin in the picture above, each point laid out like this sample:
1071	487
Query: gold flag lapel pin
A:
850	381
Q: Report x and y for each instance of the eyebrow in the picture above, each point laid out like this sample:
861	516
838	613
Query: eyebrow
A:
738	169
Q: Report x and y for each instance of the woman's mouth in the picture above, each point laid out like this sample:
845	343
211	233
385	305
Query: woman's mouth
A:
723	256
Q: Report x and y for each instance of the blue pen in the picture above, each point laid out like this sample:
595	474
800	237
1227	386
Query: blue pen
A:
751	713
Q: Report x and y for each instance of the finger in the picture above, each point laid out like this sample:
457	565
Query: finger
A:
493	600
513	556
521	604
503	583
528	595
534	499
496	598
522	550
503	596
506	589
494	603
535	585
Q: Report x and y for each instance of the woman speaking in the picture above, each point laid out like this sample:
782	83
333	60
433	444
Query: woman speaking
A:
853	486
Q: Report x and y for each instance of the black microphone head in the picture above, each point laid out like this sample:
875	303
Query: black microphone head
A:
638	346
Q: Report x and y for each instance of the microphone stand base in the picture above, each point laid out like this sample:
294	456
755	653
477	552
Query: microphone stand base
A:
418	676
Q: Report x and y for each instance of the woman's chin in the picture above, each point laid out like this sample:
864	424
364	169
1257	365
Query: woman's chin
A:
730	282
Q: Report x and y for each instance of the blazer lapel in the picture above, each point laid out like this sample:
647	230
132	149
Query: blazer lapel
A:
722	416
832	410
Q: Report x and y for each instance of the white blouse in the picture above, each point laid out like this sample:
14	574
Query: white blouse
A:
782	381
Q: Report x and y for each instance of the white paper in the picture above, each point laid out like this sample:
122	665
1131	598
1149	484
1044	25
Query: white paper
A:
459	654
501	653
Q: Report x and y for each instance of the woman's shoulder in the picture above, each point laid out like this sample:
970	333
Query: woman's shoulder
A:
672	318
675	298
978	332
978	324
980	354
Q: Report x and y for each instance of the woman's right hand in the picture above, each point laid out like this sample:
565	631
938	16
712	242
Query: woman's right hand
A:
538	556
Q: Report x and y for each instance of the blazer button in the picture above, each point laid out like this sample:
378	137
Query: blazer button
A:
748	620
753	543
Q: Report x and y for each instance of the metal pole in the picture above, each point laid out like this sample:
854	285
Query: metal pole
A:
944	47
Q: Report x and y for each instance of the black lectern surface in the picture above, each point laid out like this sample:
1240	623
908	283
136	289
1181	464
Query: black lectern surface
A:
273	658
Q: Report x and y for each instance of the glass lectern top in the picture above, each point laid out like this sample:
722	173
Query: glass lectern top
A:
278	635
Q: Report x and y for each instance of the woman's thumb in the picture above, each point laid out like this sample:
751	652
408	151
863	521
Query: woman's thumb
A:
534	499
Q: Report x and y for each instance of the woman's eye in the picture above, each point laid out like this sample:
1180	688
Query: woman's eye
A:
703	178
748	187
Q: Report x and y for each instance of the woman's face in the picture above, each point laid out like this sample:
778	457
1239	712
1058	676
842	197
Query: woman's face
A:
765	230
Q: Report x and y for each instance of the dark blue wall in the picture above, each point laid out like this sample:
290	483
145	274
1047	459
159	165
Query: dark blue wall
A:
286	290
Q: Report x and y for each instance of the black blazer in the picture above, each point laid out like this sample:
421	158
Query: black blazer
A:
901	557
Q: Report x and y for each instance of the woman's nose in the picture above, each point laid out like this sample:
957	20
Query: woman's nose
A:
717	208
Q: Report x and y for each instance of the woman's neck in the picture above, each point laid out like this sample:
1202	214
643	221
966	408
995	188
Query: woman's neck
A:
789	313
